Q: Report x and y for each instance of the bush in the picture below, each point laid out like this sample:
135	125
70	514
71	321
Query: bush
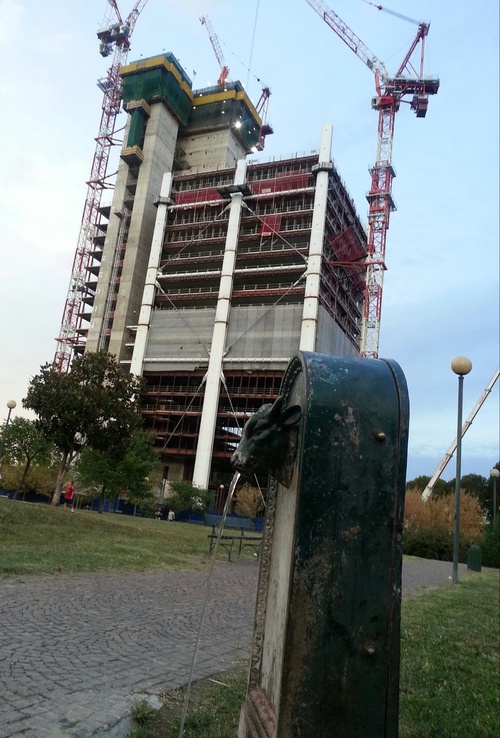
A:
249	502
432	543
429	526
490	545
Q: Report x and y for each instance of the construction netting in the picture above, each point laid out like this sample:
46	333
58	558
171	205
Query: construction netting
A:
227	106
158	79
254	332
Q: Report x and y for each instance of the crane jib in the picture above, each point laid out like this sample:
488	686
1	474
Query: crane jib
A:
391	91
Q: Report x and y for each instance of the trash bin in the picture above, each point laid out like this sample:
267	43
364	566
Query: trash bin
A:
474	558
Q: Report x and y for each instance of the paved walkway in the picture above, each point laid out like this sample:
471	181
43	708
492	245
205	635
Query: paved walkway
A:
77	652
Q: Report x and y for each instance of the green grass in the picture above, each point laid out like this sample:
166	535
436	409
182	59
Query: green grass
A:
213	716
449	672
450	636
450	658
40	539
214	709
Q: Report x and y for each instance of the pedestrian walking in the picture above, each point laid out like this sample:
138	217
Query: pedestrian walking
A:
69	494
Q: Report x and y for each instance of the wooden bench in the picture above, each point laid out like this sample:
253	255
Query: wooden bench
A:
227	539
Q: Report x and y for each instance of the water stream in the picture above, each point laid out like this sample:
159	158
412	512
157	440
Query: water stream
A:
230	494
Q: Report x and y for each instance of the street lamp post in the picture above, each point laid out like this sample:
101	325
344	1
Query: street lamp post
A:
494	474
461	366
11	404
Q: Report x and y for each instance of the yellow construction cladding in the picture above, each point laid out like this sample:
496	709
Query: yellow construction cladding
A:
139	105
153	63
202	99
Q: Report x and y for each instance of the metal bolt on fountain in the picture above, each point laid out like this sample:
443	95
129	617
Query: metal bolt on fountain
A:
325	656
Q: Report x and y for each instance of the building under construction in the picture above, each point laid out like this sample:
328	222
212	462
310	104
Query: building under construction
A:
213	270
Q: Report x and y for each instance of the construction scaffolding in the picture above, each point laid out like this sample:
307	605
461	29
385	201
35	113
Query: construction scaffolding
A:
213	271
266	301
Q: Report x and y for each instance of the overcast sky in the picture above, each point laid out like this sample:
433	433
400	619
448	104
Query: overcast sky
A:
441	290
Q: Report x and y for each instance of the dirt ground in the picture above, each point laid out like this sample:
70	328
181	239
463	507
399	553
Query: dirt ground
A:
201	704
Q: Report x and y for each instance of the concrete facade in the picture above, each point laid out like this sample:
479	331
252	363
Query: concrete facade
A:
214	271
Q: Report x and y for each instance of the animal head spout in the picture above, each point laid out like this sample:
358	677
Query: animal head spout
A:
269	442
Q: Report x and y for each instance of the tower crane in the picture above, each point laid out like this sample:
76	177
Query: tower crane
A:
114	38
263	103
410	86
214	40
266	129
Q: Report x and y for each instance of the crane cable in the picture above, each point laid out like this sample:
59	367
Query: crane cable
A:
253	42
169	437
245	66
196	238
271	307
181	315
162	272
392	12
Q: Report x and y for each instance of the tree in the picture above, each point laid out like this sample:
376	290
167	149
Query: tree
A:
115	476
477	486
41	479
94	405
25	443
186	497
441	488
419	483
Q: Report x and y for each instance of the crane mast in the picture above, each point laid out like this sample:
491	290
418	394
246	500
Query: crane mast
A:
391	91
114	38
262	108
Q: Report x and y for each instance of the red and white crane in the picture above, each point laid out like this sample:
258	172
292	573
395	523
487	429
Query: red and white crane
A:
263	103
410	86
265	129
114	38
214	40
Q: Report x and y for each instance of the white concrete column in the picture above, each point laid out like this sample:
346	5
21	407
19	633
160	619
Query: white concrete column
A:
313	274
201	472
148	296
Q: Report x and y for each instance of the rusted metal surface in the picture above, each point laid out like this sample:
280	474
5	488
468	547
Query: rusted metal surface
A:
327	658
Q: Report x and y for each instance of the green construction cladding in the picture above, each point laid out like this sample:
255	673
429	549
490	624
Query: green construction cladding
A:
158	79
224	107
162	79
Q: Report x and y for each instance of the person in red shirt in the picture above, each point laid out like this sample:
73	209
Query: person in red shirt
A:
69	493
